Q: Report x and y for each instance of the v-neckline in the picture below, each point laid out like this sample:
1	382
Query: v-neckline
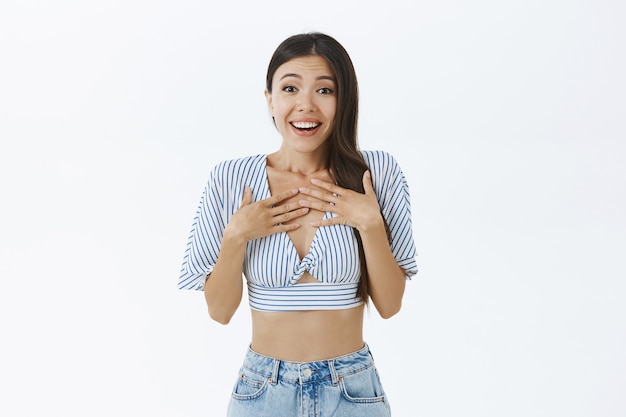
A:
268	193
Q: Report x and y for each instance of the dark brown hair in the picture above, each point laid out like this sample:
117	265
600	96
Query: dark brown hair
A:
344	160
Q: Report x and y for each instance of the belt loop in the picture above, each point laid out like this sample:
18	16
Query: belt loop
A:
275	372
333	371
369	352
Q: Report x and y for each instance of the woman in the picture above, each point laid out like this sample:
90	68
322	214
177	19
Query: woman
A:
318	228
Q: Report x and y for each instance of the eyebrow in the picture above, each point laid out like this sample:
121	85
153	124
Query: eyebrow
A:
321	77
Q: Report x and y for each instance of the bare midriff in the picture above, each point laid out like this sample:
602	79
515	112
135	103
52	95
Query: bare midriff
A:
305	336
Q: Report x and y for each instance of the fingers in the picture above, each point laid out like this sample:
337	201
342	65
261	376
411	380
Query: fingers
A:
275	199
336	190
292	207
247	196
323	196
282	213
278	213
290	215
329	222
317	204
329	186
254	220
367	182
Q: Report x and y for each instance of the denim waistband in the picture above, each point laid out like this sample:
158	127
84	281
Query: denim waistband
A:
308	372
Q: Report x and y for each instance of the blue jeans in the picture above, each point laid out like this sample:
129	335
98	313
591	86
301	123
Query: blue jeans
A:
347	386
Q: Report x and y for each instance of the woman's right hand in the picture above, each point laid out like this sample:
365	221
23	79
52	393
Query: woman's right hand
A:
265	217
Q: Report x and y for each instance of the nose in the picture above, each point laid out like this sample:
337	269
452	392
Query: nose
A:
305	103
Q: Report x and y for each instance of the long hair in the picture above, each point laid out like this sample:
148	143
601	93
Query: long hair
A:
344	160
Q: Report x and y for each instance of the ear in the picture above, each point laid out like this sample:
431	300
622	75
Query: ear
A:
268	97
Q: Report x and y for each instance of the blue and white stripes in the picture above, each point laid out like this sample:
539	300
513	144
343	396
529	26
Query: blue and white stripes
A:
271	264
310	296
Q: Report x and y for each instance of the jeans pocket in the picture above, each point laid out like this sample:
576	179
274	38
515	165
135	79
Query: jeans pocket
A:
362	387
249	385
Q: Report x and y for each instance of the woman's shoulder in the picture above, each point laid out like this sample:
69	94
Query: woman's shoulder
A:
379	160
239	166
239	162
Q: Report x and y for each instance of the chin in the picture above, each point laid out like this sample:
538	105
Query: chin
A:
309	147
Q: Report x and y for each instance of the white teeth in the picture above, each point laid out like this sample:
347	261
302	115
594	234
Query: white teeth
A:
304	125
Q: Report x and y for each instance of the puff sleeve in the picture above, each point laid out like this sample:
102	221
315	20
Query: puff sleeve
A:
393	196
203	244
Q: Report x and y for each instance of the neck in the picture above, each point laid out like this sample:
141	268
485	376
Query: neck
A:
298	162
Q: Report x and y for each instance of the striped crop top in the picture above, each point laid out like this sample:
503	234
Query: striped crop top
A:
272	265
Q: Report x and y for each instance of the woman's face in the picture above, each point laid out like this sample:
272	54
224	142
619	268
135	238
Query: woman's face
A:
303	102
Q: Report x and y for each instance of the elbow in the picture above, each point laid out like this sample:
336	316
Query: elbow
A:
220	316
388	312
386	306
221	320
221	309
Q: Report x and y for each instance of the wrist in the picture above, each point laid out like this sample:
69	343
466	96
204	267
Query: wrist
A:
372	224
232	237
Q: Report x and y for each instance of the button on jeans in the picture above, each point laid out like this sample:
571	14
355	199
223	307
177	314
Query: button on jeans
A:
347	386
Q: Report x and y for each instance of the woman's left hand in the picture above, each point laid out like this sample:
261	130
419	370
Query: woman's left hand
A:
351	208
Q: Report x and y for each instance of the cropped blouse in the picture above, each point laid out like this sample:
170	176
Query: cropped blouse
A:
272	265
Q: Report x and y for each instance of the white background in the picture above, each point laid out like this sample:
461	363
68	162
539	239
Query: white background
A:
506	116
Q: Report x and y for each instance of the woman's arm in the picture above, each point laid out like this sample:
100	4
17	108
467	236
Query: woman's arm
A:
386	279
223	289
362	211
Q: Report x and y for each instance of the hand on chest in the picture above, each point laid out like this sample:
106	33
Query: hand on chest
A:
280	181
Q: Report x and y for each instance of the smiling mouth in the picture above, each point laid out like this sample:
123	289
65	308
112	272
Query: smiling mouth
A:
305	126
